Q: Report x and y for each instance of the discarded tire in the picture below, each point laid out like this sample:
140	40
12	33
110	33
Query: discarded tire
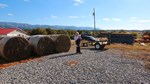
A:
14	48
62	42
41	45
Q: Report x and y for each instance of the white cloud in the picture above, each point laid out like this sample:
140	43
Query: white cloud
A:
77	2
133	23
112	19
116	19
115	28
26	0
53	16
143	21
135	19
3	5
126	26
10	14
73	17
106	19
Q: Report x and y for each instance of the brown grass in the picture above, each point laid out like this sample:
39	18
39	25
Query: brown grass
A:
72	63
72	46
135	47
142	52
72	42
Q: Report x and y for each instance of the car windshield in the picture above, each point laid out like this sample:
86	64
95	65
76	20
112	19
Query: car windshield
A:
92	38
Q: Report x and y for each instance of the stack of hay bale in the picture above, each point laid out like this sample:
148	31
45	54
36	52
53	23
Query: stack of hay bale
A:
62	42
14	48
18	48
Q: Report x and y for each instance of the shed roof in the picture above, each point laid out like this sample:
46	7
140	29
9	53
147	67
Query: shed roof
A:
7	30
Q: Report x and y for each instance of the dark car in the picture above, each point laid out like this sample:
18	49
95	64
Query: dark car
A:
97	44
90	38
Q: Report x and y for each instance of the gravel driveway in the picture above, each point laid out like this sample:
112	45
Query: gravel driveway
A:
91	67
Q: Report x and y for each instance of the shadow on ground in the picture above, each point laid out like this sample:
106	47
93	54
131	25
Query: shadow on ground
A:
2	61
60	56
93	49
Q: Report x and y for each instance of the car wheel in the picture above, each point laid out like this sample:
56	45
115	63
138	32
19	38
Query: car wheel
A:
97	46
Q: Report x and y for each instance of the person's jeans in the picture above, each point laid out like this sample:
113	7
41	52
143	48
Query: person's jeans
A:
78	50
78	46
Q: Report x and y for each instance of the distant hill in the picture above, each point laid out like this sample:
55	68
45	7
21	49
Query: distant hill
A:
29	26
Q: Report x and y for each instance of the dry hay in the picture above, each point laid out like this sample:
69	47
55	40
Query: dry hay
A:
72	63
84	43
14	48
135	47
1	38
62	42
41	45
28	38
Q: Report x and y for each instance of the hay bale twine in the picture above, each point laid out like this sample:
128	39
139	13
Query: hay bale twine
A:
14	48
1	38
28	38
62	42
41	45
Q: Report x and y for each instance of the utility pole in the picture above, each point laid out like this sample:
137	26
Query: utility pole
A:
94	20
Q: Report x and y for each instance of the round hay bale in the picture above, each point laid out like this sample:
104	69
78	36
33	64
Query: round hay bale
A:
1	38
62	42
28	38
14	48
41	45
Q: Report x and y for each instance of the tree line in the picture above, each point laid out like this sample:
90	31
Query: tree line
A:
48	31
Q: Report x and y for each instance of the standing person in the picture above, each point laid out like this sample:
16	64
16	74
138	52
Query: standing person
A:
77	39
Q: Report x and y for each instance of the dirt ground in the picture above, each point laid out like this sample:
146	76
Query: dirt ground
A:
135	51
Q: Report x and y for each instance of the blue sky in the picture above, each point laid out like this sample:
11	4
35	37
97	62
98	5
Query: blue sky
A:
110	14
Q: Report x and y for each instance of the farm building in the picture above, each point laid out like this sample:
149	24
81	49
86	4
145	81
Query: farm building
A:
12	32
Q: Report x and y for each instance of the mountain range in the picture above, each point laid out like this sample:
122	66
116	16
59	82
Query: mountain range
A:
29	26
